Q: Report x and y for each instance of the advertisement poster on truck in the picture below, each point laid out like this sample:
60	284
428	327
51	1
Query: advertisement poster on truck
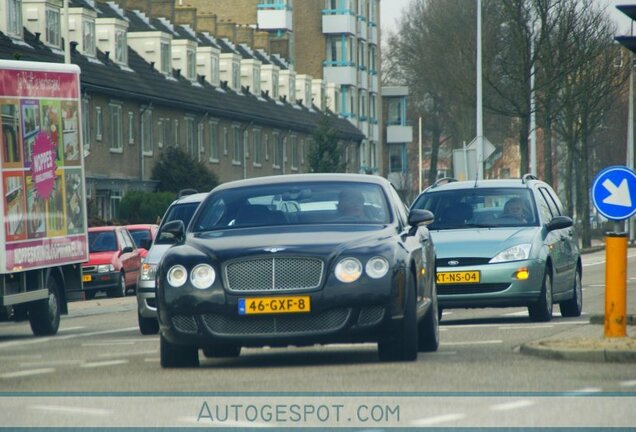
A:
43	201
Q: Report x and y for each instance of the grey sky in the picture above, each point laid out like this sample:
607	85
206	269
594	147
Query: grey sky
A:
391	10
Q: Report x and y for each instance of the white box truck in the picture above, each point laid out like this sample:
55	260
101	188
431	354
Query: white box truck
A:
43	234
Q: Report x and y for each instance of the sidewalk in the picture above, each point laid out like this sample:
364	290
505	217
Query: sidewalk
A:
587	343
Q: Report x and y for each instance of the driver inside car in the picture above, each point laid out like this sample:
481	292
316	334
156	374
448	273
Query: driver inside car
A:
351	205
514	208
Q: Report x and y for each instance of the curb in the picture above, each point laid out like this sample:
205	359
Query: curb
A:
579	354
600	319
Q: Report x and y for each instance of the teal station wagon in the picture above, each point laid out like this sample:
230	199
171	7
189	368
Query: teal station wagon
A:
504	243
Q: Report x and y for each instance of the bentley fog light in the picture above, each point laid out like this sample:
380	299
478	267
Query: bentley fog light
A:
348	270
202	276
515	253
177	276
377	267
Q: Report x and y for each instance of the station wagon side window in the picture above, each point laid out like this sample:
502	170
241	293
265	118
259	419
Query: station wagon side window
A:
548	198
544	209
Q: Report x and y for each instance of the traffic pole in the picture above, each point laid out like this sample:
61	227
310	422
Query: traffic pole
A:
615	284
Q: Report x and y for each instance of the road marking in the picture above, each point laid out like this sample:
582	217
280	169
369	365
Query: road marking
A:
72	410
442	353
555	323
21	357
512	405
519	313
529	327
103	363
584	390
34	341
70	328
152	360
631	383
438	419
98	344
51	363
27	373
128	354
486	342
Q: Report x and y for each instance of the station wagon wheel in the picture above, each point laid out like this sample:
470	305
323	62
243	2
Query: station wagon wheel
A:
541	310
222	350
574	306
404	346
428	331
147	326
176	356
44	315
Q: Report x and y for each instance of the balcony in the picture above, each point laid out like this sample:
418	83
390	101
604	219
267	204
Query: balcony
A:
275	17
363	79
399	134
372	36
338	21
339	73
362	28
373	81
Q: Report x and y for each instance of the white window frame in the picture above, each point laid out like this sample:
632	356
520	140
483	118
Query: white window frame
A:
164	52
121	47
131	127
146	132
293	149
266	145
175	125
200	137
88	38
116	128
190	136
99	123
14	18
237	144
191	60
226	139
213	141
86	124
257	147
161	133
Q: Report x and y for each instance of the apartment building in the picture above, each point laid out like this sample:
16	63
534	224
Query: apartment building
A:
333	47
398	137
155	75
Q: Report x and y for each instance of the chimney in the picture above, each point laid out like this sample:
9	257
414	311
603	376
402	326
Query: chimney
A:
186	15
226	29
161	9
206	23
245	35
261	41
140	5
280	47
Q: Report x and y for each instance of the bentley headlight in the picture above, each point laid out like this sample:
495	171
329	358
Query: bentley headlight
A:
177	276
515	253
148	272
105	268
348	270
377	267
202	276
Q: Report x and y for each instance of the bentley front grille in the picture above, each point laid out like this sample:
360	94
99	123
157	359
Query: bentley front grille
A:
274	274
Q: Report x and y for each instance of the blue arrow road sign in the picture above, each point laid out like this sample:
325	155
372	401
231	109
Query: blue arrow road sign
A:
614	192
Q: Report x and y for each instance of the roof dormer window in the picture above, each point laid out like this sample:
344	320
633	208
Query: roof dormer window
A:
121	47
14	18
88	37
192	64
165	58
53	27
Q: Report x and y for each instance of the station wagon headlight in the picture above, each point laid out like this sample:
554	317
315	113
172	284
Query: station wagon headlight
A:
148	272
177	276
377	267
348	270
515	253
105	268
202	276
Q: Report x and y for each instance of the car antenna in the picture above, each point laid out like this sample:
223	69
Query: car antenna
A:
476	178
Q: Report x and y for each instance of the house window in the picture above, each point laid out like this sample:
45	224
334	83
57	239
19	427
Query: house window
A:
279	145
176	133
14	17
190	144
165	58
161	138
88	37
237	141
395	112
213	142
53	29
294	152
226	140
116	128
98	123
199	144
257	151
146	132
397	158
192	65
266	146
121	47
131	128
86	125
303	143
236	76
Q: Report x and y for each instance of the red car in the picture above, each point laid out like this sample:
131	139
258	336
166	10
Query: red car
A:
114	262
143	235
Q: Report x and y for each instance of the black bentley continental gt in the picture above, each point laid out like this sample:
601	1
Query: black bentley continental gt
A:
298	260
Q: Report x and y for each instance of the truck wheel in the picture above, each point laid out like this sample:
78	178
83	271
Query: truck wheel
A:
44	315
147	326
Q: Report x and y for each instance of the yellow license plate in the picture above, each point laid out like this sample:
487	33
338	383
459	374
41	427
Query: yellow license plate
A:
274	305
459	277
87	278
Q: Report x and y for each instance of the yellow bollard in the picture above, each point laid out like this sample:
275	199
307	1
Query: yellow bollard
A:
615	285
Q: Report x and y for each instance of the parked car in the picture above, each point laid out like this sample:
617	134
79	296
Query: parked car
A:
503	243
181	209
143	235
288	260
113	264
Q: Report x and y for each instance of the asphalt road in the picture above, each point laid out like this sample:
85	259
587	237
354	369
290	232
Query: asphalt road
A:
99	370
